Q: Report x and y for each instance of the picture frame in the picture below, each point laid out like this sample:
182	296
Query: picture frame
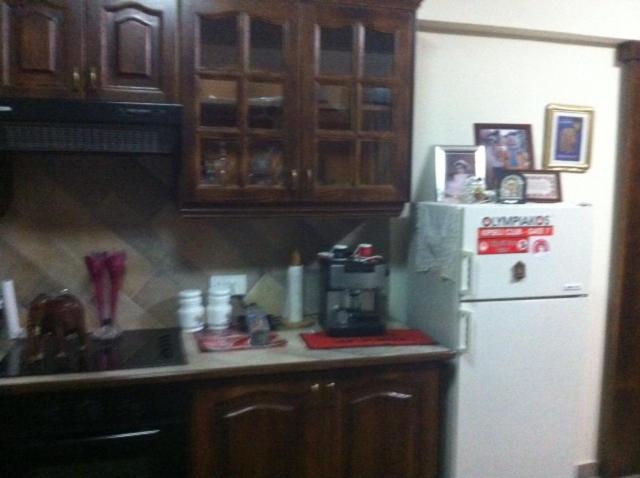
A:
512	188
454	166
509	147
568	138
543	186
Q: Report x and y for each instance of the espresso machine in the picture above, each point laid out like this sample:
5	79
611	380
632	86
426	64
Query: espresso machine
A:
352	292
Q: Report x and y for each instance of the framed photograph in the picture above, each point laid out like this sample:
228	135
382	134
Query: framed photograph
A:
455	168
508	147
512	188
568	133
543	186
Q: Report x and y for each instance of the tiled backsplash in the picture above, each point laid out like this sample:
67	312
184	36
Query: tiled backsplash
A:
67	207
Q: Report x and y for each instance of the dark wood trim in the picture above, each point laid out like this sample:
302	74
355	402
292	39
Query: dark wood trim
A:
619	448
629	51
394	4
312	210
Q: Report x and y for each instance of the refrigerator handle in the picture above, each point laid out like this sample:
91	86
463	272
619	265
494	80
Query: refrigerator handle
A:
466	274
464	337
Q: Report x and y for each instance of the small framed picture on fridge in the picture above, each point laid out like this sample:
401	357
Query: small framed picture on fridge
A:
542	186
508	146
457	169
512	188
568	133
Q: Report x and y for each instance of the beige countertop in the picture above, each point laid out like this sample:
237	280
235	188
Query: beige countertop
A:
293	357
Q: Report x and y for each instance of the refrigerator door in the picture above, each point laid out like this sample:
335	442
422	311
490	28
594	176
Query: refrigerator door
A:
513	412
527	250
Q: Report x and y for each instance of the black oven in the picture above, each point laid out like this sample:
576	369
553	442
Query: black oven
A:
111	433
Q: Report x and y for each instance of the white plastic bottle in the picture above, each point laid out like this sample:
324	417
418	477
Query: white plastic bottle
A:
219	307
191	310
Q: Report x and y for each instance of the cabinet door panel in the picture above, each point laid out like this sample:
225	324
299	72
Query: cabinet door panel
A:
131	50
240	85
254	431
388	426
355	92
40	48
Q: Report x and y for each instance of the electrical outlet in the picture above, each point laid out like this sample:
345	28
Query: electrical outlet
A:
237	282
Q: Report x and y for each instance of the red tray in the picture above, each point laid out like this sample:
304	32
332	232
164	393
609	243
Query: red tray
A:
225	341
320	340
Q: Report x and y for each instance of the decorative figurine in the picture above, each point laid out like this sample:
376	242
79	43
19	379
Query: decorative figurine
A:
61	316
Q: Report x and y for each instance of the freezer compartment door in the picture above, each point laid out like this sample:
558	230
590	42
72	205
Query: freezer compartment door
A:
526	251
518	386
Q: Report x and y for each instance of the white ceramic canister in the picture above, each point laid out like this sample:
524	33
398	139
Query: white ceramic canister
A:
191	310
219	307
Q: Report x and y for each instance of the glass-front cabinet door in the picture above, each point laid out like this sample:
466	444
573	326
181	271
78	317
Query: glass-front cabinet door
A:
357	104
240	98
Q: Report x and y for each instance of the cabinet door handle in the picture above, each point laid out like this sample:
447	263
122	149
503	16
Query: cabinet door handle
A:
331	385
295	179
93	78
76	78
315	388
310	176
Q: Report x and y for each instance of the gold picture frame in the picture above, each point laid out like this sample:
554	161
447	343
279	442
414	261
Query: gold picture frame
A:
568	138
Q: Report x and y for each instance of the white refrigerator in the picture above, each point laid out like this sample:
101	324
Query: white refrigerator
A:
506	286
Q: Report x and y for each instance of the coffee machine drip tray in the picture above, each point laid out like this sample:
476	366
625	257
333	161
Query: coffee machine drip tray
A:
346	323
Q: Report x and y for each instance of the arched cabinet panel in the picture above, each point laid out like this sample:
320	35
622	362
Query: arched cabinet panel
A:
131	50
40	51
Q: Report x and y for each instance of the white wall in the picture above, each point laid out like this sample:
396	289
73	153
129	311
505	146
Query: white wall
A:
461	80
605	18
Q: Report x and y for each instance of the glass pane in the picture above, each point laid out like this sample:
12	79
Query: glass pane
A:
377	109
336	51
218	43
266	46
218	103
375	164
220	161
266	163
378	53
334	107
334	163
265	105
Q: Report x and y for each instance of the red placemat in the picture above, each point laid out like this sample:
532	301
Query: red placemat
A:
320	340
231	340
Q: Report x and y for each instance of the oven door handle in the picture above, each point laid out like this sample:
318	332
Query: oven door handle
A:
94	439
145	434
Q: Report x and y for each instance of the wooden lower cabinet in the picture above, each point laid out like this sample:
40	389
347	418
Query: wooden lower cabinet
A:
378	423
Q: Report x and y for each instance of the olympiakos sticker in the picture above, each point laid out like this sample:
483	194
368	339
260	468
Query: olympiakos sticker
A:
513	240
540	246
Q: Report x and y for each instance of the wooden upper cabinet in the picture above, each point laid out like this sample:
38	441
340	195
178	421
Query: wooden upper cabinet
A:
117	50
131	50
40	48
239	83
357	99
297	107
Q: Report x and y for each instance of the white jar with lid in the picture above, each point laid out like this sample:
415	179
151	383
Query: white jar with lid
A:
191	310
219	307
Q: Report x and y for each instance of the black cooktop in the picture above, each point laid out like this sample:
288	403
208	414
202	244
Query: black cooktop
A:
132	349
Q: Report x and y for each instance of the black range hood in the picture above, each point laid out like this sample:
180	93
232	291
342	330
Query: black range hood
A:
32	125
